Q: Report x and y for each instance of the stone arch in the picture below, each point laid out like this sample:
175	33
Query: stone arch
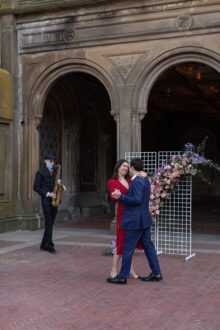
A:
152	71
45	81
37	97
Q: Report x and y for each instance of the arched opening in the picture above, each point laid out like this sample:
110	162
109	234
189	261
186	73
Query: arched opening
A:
184	106
77	125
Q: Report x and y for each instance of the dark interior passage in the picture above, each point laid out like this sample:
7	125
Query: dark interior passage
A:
78	127
184	106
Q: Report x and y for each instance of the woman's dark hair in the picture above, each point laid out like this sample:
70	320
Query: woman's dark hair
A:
117	165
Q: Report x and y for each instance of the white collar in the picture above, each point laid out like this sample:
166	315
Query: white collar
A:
133	177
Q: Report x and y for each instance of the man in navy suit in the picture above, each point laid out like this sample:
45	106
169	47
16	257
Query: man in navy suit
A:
137	222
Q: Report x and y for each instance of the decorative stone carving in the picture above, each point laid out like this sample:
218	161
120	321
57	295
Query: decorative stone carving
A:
185	22
25	3
149	7
68	35
124	62
115	114
48	37
138	116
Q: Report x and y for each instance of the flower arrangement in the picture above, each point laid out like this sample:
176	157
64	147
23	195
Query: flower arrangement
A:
190	162
111	250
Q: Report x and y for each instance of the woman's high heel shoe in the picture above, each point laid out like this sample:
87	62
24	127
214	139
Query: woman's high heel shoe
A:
134	276
113	274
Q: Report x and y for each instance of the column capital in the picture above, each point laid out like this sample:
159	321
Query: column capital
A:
115	114
138	115
37	120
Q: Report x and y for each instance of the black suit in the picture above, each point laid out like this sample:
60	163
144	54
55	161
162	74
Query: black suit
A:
44	183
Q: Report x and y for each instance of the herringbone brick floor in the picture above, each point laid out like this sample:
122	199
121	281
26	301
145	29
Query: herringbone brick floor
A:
40	291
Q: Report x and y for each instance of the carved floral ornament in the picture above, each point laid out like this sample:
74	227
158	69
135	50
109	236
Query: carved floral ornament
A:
115	114
185	22
138	115
65	35
68	35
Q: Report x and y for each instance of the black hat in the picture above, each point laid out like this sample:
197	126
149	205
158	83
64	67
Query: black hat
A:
50	156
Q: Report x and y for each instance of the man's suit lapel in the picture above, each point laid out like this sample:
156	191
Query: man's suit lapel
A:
132	185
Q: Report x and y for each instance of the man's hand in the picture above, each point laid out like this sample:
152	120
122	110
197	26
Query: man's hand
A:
51	194
116	194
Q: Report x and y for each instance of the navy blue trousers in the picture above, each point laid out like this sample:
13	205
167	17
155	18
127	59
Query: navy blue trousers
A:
131	239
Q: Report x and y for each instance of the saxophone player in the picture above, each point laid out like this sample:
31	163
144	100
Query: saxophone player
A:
44	184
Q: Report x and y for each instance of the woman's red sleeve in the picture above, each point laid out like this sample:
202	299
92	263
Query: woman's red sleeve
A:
111	188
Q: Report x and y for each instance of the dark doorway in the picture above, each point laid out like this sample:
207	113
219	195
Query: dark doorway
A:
88	152
184	106
50	129
78	127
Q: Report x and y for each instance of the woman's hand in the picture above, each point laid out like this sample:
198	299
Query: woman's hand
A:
116	194
142	174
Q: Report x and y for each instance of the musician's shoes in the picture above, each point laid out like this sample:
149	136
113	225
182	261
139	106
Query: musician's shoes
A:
152	277
44	247
117	280
52	250
48	248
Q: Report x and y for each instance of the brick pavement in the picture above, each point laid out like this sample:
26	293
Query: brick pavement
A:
69	290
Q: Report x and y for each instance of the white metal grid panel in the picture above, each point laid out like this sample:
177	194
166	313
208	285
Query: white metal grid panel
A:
174	235
149	159
150	165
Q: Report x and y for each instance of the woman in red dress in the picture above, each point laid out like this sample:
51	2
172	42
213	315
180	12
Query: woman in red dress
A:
120	180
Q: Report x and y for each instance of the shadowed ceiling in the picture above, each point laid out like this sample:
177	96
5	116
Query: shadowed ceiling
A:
193	87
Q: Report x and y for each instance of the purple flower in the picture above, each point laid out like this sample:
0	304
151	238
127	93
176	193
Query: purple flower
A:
189	147
113	245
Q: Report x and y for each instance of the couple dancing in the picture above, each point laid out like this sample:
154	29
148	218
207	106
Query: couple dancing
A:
133	221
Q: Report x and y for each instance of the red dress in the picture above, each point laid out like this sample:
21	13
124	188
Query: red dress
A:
120	233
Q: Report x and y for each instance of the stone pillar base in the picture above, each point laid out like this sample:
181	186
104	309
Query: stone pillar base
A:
19	223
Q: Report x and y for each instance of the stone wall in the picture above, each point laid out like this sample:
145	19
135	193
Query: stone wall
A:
126	45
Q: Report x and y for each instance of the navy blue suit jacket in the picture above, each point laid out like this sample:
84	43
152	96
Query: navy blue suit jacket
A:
136	214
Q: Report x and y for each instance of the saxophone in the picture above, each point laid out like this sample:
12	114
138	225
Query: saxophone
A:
59	188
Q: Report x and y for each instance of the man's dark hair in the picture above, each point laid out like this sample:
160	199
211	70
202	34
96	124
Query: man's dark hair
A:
137	163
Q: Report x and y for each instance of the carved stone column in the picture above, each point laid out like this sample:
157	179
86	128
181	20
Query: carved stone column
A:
124	132
136	118
123	120
32	136
116	116
8	42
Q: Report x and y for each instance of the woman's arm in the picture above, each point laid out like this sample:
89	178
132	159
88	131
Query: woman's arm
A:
111	188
